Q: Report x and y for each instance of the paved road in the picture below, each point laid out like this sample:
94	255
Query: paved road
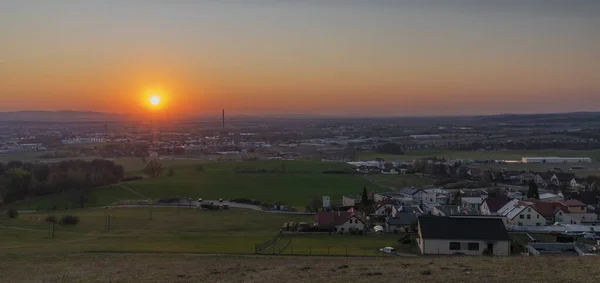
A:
194	204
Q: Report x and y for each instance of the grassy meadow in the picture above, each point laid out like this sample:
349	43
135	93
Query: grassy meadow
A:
182	230
303	182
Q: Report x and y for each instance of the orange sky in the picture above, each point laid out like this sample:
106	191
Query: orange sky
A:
286	57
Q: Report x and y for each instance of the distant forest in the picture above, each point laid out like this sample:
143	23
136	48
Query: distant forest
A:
21	180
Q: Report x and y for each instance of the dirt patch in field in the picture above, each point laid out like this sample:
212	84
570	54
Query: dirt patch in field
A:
204	268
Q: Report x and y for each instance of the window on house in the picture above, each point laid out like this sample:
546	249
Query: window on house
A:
537	224
342	229
538	216
522	216
528	216
473	246
520	224
454	246
529	210
582	208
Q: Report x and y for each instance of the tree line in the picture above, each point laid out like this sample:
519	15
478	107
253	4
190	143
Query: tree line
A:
20	180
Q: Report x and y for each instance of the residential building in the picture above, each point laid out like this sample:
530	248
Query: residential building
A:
578	183
438	196
413	209
400	198
417	194
472	203
402	221
470	236
491	206
575	206
341	221
351	200
521	213
552	211
449	210
384	207
562	179
551	197
527	177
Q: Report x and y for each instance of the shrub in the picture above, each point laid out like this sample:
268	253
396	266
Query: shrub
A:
69	220
51	219
13	213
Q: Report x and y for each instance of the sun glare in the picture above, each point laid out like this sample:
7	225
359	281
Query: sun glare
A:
155	100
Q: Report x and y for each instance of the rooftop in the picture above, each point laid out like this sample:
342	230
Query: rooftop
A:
463	228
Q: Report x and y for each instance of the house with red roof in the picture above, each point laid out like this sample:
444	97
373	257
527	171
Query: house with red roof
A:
384	207
553	211
341	221
577	212
575	206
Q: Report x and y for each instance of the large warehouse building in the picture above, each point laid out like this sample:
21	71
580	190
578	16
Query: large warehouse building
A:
556	160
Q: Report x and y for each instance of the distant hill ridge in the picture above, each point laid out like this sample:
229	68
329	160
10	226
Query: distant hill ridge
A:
59	116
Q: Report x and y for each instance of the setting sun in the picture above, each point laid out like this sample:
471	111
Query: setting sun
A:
155	100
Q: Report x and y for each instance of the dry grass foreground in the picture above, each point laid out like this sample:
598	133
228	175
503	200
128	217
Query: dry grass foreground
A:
203	268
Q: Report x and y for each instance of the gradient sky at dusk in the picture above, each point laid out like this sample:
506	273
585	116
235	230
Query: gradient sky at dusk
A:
290	56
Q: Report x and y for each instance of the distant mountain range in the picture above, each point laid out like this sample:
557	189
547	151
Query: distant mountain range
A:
59	116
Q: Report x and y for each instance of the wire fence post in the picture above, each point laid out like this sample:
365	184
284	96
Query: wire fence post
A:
346	250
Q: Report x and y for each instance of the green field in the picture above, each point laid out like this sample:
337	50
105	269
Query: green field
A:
176	230
400	181
220	181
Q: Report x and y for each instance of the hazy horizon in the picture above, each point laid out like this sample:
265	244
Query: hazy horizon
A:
381	58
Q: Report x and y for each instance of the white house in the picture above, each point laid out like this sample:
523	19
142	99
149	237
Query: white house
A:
341	221
473	203
521	213
462	235
417	194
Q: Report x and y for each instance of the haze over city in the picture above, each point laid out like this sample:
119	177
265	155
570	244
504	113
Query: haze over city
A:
302	57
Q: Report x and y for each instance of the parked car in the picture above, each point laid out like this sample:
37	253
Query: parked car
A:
388	250
220	200
200	200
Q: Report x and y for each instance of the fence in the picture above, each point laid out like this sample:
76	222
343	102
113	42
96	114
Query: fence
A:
290	245
261	247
